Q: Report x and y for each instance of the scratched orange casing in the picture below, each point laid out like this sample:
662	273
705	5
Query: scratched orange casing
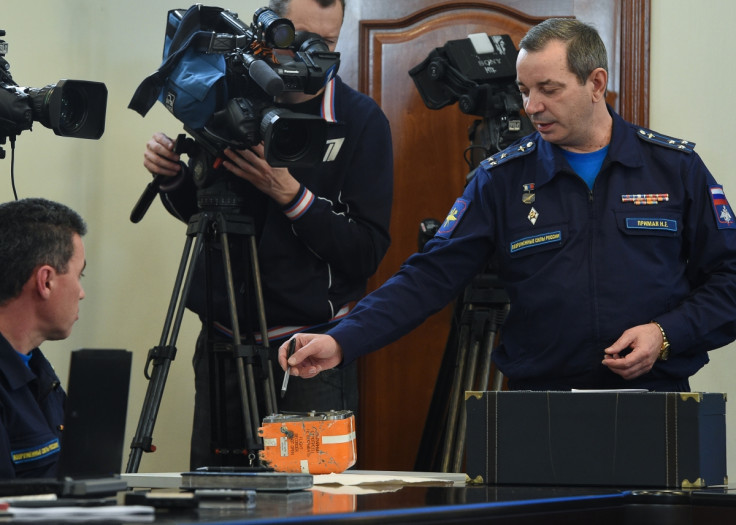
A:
310	442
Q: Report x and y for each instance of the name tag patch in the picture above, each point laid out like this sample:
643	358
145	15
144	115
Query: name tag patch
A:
31	454
651	223
553	237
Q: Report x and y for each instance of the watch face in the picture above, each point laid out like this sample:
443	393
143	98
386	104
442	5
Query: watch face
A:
664	353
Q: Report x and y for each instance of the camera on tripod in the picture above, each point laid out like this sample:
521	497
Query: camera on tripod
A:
72	108
478	72
220	78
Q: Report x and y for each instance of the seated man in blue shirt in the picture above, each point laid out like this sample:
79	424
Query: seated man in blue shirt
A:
42	259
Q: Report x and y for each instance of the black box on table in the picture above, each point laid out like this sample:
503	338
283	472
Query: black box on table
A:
603	438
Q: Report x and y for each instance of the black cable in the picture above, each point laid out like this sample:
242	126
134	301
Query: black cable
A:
12	165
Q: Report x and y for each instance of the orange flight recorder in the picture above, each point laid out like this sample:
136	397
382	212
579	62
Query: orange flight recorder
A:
309	442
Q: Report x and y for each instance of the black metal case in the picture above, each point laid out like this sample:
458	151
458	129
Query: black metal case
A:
603	438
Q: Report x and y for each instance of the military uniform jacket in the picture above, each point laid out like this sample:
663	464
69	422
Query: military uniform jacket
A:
31	415
655	239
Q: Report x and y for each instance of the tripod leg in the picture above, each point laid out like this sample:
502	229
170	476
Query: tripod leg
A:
497	380
493	320
496	319
452	414
161	358
486	366
246	354
470	373
499	319
251	420
429	454
269	389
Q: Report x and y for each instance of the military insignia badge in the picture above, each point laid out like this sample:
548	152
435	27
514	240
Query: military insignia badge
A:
646	198
533	216
528	196
721	208
453	218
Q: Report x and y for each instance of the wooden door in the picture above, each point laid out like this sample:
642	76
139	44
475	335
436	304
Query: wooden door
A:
380	42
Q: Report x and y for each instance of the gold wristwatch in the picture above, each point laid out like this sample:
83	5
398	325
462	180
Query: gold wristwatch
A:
664	352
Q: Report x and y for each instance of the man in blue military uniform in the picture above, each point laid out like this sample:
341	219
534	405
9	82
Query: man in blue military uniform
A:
615	244
42	259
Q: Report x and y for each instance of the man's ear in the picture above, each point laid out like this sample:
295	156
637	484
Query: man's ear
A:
44	275
599	79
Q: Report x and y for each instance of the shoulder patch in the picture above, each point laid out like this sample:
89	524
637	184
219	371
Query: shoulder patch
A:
453	218
512	152
721	208
663	140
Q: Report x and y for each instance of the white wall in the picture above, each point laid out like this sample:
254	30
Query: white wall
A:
131	267
691	76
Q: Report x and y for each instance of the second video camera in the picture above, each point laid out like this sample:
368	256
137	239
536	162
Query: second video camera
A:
479	73
72	108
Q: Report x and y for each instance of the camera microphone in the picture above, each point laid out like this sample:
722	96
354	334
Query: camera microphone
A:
265	77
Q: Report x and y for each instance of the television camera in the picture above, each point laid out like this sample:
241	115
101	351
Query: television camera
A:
72	108
478	72
220	78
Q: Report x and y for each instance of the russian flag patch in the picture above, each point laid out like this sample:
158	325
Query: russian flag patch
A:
721	208
453	218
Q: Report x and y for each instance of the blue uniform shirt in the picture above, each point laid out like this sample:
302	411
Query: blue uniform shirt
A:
31	415
653	239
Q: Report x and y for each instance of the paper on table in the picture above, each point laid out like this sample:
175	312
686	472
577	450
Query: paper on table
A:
102	512
155	480
356	490
388	478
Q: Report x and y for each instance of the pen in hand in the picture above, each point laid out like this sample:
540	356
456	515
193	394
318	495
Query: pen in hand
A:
289	352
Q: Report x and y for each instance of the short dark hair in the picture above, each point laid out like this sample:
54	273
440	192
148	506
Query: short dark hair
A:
281	6
585	49
34	232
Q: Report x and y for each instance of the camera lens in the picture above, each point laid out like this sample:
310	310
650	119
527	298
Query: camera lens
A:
40	98
292	139
72	112
289	139
275	31
71	108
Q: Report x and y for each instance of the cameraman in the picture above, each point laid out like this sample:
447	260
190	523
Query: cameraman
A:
321	232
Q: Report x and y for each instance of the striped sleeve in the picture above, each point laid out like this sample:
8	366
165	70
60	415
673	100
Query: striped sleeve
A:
300	205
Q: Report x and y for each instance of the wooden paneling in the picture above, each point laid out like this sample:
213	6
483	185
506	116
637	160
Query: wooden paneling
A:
634	64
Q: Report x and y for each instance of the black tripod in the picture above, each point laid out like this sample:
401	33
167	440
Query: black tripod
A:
217	219
466	365
478	318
